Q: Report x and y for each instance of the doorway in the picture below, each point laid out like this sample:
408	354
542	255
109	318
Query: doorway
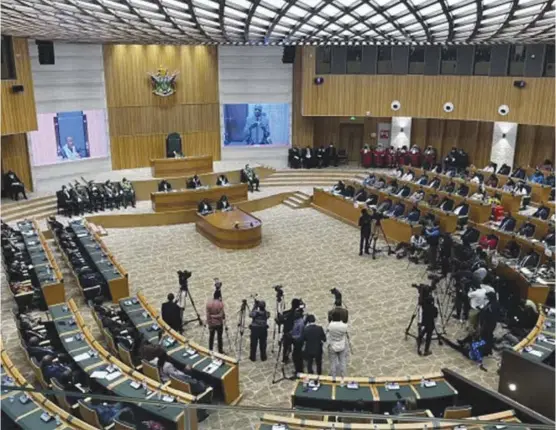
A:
351	140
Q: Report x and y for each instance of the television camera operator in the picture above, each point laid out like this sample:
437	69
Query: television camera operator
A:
432	235
172	314
428	314
259	329
287	319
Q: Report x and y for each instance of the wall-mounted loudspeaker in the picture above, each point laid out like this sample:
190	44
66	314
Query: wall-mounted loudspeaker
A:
395	105
448	107
520	84
503	110
319	80
17	88
288	55
46	51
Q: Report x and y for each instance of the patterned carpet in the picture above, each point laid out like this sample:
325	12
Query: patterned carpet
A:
308	253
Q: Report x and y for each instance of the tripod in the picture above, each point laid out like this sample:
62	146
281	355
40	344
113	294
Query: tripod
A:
416	312
374	238
277	363
241	324
280	307
183	295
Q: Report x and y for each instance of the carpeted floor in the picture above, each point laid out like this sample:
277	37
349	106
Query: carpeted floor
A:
308	253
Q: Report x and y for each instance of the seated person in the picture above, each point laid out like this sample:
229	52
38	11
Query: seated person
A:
105	311
422	180
56	369
462	210
446	204
491	168
451	172
248	176
204	207
372	200
416	247
108	412
492	181
223	204
167	369
530	260
349	191
550	180
164	186
14	186
417	196
398	173
522	189
450	187
477	178
403	191
504	170
543	213
547	165
193	183
537	177
437	168
396	211
550	238
177	154
433	200
369	180
128	193
527	229
34	349
338	188
392	187
384	206
294	158
308	158
507	223
509	186
408	176
360	195
414	214
222	180
518	173
479	195
488	242
463	190
470	235
434	183
379	183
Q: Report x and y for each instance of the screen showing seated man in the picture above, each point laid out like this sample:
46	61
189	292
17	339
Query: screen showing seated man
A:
256	124
69	136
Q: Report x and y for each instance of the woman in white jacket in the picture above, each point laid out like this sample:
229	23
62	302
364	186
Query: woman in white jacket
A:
337	333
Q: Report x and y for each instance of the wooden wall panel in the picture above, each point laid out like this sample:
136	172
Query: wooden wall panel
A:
18	109
534	145
302	126
140	121
474	97
137	151
15	157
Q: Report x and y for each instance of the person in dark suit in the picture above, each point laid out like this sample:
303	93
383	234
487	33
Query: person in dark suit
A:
204	207
313	339
249	177
14	185
36	350
426	325
518	173
504	169
530	260
543	212
414	214
446	204
308	158
223	204
397	210
462	210
172	314
492	181
365	226
222	180
384	206
403	191
349	191
194	183
164	186
330	156
360	195
339	188
527	229
463	190
422	180
434	183
507	223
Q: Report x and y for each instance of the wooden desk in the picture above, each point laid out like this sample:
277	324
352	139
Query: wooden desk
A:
344	210
220	229
187	166
189	199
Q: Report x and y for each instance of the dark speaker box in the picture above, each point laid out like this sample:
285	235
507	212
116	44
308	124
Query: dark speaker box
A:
288	56
17	88
46	51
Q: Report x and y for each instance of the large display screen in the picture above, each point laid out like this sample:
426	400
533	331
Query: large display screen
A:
69	136
256	124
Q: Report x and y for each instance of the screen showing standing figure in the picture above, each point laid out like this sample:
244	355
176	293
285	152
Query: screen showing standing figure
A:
257	124
69	136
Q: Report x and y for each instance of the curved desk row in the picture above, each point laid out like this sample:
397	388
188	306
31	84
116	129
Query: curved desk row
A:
269	421
234	229
224	379
91	357
541	340
176	200
30	410
377	395
345	210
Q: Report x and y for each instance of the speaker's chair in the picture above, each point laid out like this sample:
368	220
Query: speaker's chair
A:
173	145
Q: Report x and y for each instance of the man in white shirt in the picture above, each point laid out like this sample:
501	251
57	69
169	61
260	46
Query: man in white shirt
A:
337	334
478	300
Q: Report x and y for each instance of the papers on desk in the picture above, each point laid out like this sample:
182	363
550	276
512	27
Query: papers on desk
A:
535	353
212	367
191	353
99	374
81	357
353	386
392	386
69	339
279	427
526	271
429	384
168	399
112	376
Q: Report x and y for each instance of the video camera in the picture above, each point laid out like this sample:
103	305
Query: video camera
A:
279	292
183	276
377	216
217	283
426	290
337	295
256	301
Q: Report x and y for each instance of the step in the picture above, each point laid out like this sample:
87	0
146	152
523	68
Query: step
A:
36	216
31	212
12	204
303	195
298	200
23	206
290	205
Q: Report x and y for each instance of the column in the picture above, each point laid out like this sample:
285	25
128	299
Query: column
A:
504	136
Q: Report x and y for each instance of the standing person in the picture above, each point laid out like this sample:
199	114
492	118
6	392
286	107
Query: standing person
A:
297	339
259	330
172	314
432	234
287	340
337	345
429	312
313	340
215	319
365	226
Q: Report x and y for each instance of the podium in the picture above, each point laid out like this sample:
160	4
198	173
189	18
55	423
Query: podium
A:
187	166
234	229
189	199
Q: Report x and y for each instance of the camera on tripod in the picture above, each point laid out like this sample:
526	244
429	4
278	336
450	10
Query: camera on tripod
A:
337	295
256	301
183	276
279	292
